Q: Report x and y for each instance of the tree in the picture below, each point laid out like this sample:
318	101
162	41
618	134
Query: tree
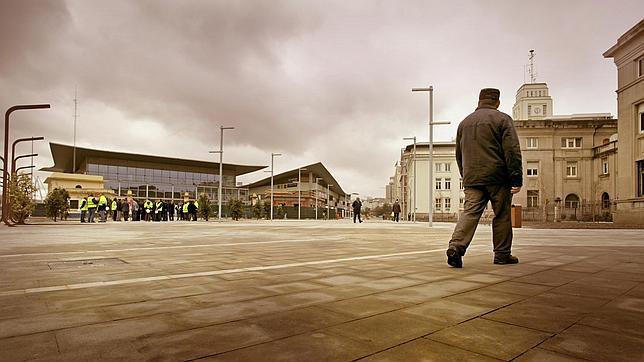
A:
56	203
267	209
257	210
236	207
20	192
204	207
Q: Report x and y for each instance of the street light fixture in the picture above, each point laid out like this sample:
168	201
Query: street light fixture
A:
221	168
24	168
5	196
430	210
328	200
299	190
316	196
272	162
414	161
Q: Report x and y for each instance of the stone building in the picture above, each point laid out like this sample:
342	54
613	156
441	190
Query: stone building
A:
628	55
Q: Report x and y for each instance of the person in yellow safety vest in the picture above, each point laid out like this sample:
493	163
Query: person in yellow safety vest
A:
91	207
115	210
158	210
83	209
147	207
102	208
185	211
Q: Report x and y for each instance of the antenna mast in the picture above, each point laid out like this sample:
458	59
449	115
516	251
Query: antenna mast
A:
75	117
531	72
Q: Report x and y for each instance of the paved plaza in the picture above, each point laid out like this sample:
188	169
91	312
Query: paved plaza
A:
313	291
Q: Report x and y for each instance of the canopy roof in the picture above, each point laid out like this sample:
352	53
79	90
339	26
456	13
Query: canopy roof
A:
317	169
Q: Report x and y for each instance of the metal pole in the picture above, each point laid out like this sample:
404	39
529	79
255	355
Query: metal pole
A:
221	171
430	212
75	116
316	196
328	208
299	192
272	162
414	157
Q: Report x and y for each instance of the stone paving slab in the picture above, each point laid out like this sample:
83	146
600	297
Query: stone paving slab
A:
316	291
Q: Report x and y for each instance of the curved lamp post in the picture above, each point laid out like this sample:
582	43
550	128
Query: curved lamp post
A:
5	197
24	168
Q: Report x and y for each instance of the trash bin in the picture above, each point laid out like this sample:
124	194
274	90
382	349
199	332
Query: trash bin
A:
516	216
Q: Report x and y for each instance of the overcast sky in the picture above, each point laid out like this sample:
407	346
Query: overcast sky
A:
325	81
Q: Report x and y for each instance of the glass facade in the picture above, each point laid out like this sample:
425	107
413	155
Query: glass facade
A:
159	183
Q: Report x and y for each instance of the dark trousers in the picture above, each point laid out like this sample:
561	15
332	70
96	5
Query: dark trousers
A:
476	198
396	216
83	214
90	214
356	214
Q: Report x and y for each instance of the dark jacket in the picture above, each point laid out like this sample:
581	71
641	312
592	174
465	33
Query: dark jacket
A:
488	150
396	208
357	205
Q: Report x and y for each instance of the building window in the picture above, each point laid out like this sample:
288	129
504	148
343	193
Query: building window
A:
571	201
605	201
640	67
439	184
641	120
439	167
571	142
439	204
448	203
533	198
571	169
448	184
461	202
447	167
460	184
532	168
545	109
532	142
529	109
640	178
605	165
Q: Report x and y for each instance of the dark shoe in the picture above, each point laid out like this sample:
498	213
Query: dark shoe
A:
454	258
506	259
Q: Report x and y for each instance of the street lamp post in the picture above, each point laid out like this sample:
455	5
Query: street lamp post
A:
299	190
19	157
430	210
328	200
272	162
5	174
316	196
221	168
414	161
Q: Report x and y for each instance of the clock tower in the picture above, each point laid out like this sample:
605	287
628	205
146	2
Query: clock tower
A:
533	101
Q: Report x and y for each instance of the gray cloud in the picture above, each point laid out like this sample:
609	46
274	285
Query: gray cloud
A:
319	81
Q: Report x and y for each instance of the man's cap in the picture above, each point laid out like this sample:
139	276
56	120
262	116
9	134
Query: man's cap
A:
489	94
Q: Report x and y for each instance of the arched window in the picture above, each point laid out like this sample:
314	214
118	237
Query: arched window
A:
79	186
605	201
571	201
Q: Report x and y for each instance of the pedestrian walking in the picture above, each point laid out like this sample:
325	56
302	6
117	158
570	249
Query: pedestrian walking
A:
83	209
488	155
115	209
91	207
125	209
396	210
357	206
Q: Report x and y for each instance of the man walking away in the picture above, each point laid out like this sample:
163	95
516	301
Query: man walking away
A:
396	210
357	205
91	208
489	160
83	209
115	209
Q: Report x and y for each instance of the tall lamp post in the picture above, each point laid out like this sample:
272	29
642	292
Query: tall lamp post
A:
299	190
13	165
413	157
24	168
221	167
5	174
328	200
272	162
430	210
316	196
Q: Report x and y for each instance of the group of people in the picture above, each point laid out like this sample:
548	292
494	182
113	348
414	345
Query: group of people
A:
129	209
